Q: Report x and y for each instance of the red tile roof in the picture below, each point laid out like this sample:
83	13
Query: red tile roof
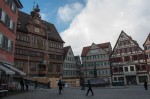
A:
87	48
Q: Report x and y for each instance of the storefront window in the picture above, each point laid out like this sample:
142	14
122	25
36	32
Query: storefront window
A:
142	79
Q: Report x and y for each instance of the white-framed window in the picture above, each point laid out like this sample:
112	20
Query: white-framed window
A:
94	51
13	6
11	26
6	20
9	45
5	42
3	17
1	40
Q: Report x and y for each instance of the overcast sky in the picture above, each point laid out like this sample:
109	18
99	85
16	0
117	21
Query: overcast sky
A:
102	21
83	22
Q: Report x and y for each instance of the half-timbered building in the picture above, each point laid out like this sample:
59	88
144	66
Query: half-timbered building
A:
128	61
95	60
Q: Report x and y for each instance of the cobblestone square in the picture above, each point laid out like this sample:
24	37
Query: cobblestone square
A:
132	92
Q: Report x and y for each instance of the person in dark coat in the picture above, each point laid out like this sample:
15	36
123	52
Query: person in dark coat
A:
22	83
49	84
36	85
27	85
60	85
89	88
145	85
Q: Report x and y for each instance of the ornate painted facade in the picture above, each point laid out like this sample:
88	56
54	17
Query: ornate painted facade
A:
128	61
39	47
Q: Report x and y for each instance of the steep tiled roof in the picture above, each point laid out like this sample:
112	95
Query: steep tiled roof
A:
65	49
87	48
135	42
146	39
54	35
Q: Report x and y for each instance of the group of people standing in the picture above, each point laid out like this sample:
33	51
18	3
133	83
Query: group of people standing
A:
23	83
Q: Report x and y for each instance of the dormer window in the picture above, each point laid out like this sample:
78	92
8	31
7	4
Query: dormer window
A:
94	51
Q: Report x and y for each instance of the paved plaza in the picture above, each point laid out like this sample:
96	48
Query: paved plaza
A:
132	92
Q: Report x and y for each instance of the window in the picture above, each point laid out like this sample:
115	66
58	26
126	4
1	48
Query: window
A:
126	69
128	50
32	66
135	57
0	13
115	78
9	45
1	39
131	68
120	78
5	43
3	17
12	25
142	79
19	65
120	69
51	56
13	6
133	49
43	42
34	40
94	51
143	67
6	20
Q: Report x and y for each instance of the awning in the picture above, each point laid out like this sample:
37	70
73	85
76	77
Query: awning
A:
14	69
8	71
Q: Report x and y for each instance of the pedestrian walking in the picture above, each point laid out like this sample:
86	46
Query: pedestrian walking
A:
27	85
60	85
49	84
36	85
145	85
89	88
22	83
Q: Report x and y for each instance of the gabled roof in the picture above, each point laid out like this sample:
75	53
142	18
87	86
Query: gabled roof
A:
18	3
146	39
102	46
65	51
135	42
23	19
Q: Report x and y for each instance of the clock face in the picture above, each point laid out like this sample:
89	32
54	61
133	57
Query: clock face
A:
37	30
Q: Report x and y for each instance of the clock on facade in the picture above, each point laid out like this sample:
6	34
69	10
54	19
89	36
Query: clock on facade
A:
37	30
